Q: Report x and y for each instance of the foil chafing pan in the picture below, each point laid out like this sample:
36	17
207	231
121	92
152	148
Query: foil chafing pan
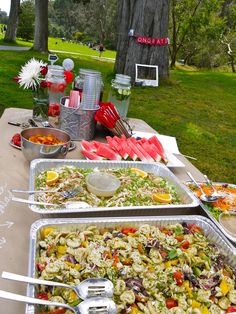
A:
38	165
209	214
68	224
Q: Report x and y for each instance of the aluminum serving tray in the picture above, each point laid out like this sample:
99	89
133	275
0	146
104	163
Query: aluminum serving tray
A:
73	224
38	165
209	214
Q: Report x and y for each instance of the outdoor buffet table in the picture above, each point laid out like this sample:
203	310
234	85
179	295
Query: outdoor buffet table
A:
16	218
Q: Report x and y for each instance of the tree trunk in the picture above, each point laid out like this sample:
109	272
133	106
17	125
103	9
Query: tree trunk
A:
41	26
150	19
10	35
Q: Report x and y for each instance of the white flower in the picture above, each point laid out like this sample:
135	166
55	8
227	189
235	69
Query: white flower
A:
30	76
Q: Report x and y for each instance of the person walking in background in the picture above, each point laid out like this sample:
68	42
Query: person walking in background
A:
101	49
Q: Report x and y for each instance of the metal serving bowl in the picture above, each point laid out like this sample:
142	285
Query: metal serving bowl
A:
33	150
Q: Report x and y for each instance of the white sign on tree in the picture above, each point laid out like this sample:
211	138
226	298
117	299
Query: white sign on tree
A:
146	81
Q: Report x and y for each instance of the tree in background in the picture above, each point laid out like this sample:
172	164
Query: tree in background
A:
228	37
41	26
147	18
10	35
66	15
3	17
25	28
100	18
96	19
200	46
197	29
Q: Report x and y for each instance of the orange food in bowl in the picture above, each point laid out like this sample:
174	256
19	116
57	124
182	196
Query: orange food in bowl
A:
45	139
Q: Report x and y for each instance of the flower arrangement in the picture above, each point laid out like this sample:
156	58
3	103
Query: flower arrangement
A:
32	75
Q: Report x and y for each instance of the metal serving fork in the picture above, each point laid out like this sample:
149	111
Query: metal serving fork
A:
89	306
66	194
92	287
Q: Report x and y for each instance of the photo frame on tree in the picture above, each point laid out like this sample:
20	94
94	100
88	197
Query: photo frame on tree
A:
146	75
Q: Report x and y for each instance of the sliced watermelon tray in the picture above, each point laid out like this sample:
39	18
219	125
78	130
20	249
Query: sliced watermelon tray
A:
122	148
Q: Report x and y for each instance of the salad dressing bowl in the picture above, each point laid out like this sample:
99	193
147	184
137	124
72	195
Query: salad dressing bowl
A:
228	222
102	184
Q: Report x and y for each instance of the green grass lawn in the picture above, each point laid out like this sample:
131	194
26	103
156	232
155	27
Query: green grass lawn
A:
197	107
58	44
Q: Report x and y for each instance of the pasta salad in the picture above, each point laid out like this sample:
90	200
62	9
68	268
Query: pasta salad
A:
171	269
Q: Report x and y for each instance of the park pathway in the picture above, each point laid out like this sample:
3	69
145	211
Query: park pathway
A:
19	48
2	47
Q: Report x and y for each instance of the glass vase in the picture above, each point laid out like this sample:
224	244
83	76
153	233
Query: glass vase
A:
40	105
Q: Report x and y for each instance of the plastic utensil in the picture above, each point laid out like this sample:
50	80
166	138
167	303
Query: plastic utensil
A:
89	306
92	287
203	197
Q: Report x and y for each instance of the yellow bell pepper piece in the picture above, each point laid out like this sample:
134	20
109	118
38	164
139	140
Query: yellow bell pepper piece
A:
84	244
204	310
75	266
61	249
72	297
187	287
45	231
196	304
135	310
224	287
170	263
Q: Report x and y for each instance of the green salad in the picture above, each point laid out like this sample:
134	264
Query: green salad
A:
137	188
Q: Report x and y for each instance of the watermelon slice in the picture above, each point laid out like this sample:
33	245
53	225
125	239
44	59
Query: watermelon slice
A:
136	150
144	152
107	152
117	139
154	140
89	146
125	147
90	155
152	151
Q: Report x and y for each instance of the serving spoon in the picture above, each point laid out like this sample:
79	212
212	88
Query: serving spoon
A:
205	198
89	306
215	193
91	287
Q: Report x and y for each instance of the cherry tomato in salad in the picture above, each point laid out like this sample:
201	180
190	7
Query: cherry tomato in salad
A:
185	245
231	309
40	267
171	303
128	230
59	311
179	277
194	228
163	254
43	296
